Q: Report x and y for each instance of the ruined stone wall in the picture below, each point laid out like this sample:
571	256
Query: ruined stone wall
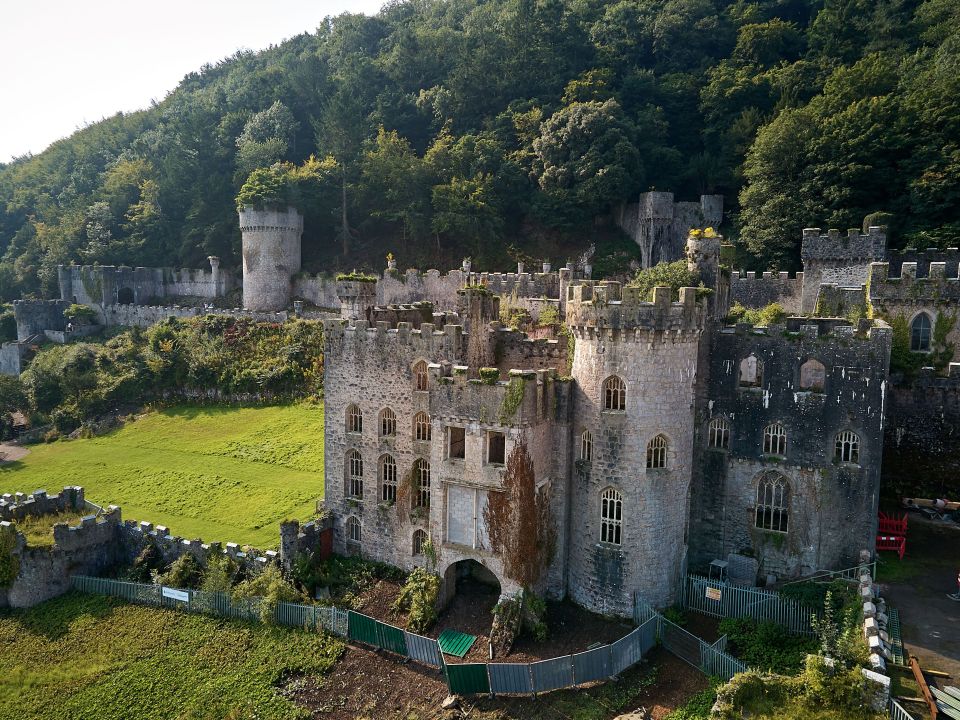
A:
840	259
757	292
652	347
660	226
17	506
833	504
922	435
35	316
147	315
108	285
13	356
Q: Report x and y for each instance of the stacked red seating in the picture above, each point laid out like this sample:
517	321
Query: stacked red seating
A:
892	533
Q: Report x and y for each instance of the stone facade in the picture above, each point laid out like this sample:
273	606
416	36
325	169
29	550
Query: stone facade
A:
752	291
660	226
838	259
271	256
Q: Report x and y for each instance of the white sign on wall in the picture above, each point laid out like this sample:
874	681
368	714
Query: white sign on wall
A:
713	593
181	595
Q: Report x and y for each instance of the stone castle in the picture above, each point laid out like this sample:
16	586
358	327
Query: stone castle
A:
662	438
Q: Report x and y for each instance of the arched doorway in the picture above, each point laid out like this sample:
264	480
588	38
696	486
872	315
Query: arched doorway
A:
473	582
125	296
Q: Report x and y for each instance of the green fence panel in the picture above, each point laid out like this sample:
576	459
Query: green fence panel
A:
391	638
362	628
468	679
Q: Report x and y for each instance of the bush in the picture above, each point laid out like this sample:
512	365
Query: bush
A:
674	275
184	572
766	646
272	588
80	314
219	575
418	598
8	324
772	314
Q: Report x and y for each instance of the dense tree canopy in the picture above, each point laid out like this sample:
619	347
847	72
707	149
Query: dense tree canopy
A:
443	128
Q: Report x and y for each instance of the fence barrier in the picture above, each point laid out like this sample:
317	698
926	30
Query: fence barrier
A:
720	599
595	665
898	713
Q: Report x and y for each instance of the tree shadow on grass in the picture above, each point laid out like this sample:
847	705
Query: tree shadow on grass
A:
52	619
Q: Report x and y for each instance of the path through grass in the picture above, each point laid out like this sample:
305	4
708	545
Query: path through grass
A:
216	473
94	657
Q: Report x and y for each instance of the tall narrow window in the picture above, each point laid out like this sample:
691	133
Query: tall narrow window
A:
751	372
419	540
920	333
718	434
388	423
457	442
421	483
421	427
657	452
353	530
586	446
773	503
420	375
848	447
354	419
614	394
388	479
354	474
774	439
611	516
496	447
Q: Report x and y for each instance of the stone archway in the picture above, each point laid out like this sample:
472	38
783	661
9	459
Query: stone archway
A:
125	296
468	576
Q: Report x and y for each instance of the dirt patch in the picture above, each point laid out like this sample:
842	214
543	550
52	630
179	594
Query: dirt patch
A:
365	684
377	602
11	453
703	626
918	587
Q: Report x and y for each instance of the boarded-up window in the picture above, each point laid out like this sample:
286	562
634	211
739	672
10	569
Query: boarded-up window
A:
465	523
813	376
751	372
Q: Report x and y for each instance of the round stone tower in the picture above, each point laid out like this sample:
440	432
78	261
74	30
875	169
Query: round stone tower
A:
635	365
271	254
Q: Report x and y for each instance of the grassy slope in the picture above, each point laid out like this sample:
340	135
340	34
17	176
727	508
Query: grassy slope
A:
220	474
94	657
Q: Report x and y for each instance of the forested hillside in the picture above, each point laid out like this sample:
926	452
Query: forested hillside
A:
511	128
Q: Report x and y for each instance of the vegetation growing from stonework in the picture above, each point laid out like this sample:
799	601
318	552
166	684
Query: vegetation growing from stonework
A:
93	656
771	314
9	564
519	520
212	355
674	275
418	599
440	130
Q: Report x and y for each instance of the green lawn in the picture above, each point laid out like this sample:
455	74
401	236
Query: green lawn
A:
94	657
220	474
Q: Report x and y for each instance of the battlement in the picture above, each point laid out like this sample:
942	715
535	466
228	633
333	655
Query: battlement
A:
818	328
17	506
521	399
928	262
607	305
341	335
147	315
415	313
253	220
109	284
936	287
833	246
138	534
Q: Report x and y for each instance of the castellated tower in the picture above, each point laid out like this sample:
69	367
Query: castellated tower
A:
634	364
271	254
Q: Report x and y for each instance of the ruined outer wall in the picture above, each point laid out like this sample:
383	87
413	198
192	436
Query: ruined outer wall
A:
833	505
101	284
271	256
836	255
757	292
653	348
35	316
922	435
660	226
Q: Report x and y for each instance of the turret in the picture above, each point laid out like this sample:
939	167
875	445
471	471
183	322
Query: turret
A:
703	258
271	254
358	295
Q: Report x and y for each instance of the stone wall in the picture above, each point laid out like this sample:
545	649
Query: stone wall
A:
660	226
757	292
35	316
19	505
271	256
837	258
108	285
833	504
147	315
922	435
13	358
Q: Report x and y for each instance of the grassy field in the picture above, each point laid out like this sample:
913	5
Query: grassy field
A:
220	474
94	657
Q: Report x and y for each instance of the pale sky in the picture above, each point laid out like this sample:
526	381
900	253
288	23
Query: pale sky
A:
65	63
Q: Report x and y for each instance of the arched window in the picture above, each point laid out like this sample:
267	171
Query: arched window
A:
421	483
420	375
354	474
813	376
614	394
773	503
920	333
421	426
354	418
388	423
586	446
774	439
353	529
718	434
419	540
751	372
388	479
657	452
611	516
848	447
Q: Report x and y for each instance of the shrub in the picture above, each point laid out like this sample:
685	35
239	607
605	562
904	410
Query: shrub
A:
766	646
772	314
219	575
9	564
80	314
418	598
184	572
674	275
146	564
272	589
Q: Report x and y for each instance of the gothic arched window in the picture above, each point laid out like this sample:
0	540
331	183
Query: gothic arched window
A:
614	394
773	503
718	434
920	333
611	516
657	452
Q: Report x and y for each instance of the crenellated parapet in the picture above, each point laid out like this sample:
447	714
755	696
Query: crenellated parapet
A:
520	399
936	287
608	307
834	246
359	337
104	285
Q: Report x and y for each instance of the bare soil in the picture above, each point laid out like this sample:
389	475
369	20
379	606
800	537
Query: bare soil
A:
10	452
929	620
366	684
